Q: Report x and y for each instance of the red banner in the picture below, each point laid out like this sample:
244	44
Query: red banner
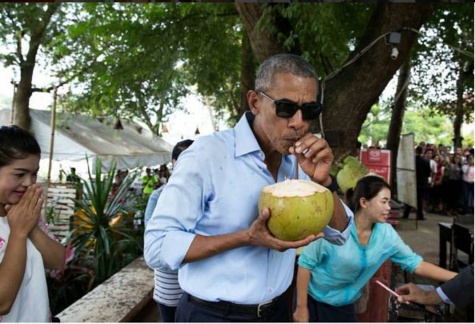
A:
377	161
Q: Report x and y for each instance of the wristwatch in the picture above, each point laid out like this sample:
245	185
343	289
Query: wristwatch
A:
333	186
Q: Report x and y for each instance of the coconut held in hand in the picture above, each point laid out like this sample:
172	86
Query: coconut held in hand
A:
298	208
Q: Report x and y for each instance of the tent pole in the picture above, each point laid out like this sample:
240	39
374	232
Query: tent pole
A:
51	145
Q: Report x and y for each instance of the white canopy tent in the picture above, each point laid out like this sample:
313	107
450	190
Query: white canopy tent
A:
78	136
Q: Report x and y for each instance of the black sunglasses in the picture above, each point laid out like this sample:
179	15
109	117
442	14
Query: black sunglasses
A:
285	108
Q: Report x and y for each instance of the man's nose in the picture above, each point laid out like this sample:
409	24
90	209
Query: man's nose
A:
296	121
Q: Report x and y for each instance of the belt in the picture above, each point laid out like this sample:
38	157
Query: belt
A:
259	310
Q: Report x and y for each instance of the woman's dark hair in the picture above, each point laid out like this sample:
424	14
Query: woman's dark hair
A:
16	143
367	187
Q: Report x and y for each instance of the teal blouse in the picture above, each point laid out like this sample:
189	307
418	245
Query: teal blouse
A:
338	273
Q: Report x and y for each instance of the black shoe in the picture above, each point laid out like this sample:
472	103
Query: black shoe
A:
422	218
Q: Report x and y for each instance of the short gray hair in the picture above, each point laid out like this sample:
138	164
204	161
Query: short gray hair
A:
282	63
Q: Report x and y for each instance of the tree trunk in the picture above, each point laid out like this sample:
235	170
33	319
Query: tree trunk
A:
263	44
397	116
350	93
459	110
247	73
27	66
22	98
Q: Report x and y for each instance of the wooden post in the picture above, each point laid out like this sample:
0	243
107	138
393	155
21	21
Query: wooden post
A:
13	102
51	145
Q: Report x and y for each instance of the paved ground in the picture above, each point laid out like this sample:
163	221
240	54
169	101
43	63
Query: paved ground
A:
424	239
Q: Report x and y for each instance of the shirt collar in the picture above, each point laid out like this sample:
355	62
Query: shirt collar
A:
246	141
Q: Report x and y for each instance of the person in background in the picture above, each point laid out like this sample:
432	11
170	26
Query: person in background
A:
331	278
73	177
428	155
167	291
467	185
458	291
149	181
437	190
25	249
207	223
423	172
164	174
454	185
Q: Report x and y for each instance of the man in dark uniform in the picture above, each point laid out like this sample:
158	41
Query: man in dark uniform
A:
423	173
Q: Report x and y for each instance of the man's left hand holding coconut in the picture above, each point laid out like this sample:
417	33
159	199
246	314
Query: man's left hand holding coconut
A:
207	223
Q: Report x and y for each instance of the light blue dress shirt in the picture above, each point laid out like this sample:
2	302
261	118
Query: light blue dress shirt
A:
338	273
214	190
152	203
443	296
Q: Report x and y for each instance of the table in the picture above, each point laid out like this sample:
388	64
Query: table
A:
445	235
462	241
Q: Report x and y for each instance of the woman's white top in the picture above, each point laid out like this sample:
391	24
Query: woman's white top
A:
31	303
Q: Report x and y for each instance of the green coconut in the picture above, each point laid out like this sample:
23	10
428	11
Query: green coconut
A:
351	172
298	208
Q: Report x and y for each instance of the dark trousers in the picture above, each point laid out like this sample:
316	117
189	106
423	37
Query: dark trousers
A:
421	195
321	312
190	311
467	197
454	194
167	313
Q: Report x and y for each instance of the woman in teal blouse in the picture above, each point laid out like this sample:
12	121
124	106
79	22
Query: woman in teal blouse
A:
330	278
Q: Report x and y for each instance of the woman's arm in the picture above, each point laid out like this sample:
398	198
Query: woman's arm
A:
301	313
12	270
431	271
52	251
22	217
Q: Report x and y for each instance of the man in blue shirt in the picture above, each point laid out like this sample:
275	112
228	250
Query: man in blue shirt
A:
207	224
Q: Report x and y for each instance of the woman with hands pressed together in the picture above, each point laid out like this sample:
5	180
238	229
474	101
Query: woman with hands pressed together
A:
206	223
25	250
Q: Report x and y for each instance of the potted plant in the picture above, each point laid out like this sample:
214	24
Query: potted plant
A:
103	224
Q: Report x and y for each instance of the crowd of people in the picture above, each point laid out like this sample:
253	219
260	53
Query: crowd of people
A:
144	185
450	188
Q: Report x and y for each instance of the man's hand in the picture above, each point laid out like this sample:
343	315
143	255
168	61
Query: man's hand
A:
412	293
23	216
315	157
259	235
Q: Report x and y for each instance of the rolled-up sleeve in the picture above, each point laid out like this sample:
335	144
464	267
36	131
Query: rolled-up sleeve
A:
335	236
170	231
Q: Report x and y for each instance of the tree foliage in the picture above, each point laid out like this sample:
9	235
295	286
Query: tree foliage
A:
26	30
445	54
424	124
138	61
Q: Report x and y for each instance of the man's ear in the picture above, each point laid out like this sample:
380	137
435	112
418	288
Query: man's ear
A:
252	100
